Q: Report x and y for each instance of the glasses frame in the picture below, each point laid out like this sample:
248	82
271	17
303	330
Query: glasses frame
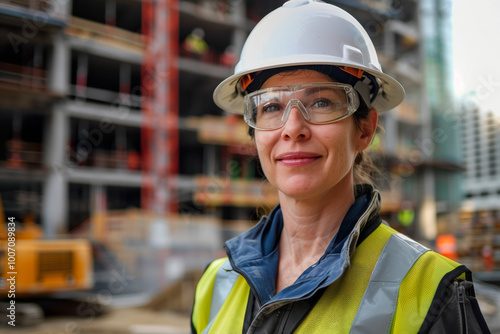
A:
352	100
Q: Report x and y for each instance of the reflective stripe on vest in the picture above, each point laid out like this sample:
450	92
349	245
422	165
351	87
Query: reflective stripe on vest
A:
378	305
224	282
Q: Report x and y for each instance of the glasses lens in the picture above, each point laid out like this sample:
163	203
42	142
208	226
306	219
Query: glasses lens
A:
324	102
267	109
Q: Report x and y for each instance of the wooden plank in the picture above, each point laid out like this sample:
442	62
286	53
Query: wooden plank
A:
104	34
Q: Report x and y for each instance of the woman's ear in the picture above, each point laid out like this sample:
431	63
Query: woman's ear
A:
367	127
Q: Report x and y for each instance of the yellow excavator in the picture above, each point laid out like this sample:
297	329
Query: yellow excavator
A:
33	268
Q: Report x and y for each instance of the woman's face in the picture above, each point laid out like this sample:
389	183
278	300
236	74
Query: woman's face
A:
308	161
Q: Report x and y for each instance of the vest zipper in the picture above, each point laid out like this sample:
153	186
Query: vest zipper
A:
276	305
461	306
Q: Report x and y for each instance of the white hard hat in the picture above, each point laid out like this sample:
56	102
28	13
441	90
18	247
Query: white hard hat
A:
309	32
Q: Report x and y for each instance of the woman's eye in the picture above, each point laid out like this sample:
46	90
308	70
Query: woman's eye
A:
271	107
323	103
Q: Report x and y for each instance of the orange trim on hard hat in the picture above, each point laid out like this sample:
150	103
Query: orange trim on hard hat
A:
352	71
245	81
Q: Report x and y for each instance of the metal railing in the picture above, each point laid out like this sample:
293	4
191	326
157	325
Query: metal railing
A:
43	5
28	77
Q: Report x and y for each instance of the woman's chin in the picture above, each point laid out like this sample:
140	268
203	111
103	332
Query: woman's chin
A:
300	189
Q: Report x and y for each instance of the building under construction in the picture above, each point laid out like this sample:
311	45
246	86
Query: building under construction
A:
109	133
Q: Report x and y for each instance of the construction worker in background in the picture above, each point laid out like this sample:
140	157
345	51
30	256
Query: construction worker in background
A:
195	43
309	85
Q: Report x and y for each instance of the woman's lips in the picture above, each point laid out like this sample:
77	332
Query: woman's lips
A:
297	159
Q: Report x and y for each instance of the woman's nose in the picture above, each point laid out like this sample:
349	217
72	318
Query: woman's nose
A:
296	127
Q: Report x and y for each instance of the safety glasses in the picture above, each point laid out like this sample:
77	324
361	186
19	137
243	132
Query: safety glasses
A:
319	103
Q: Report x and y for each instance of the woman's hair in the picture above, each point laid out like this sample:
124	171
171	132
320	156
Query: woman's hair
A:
363	168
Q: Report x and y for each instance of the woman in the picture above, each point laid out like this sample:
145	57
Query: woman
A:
310	85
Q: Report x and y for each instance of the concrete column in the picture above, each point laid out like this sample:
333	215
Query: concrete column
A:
389	41
98	211
427	223
391	133
427	213
61	9
55	188
59	65
98	198
239	35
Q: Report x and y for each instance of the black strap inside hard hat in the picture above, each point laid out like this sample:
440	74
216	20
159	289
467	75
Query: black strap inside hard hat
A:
366	86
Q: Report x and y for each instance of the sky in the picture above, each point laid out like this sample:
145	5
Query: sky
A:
476	50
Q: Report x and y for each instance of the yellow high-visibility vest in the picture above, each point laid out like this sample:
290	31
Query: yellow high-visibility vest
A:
388	288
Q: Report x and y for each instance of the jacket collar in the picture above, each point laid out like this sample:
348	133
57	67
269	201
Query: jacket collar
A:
255	255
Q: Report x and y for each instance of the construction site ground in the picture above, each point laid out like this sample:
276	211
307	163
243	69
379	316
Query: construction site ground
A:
131	320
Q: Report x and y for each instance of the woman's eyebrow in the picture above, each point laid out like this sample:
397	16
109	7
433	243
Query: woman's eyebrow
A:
273	98
313	90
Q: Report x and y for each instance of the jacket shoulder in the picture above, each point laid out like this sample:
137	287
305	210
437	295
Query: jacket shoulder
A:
454	308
